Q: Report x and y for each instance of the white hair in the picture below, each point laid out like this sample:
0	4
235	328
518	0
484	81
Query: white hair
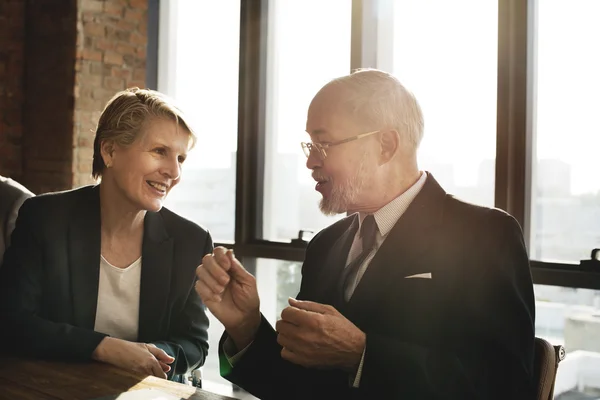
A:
378	100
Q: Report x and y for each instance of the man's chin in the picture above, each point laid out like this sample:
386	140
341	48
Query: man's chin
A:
329	209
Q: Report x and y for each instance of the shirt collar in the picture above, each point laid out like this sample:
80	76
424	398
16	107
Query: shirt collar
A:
387	216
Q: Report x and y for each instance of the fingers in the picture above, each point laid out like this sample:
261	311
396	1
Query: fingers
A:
289	355
207	286
156	369
159	354
312	306
165	367
237	270
300	317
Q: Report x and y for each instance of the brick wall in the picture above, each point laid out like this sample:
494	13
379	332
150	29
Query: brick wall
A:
50	34
111	56
60	61
12	32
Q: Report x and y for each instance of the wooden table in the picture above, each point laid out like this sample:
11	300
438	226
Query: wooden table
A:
42	380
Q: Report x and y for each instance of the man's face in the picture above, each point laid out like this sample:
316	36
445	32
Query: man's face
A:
343	178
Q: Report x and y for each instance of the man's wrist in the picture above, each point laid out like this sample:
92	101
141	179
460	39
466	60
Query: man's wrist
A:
357	353
245	333
99	353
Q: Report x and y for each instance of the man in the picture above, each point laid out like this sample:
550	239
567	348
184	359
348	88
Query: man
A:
415	295
12	196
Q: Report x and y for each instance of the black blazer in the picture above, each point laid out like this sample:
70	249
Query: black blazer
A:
12	195
467	333
49	287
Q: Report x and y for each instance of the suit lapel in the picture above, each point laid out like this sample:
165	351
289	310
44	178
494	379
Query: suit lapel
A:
84	256
157	261
402	251
334	263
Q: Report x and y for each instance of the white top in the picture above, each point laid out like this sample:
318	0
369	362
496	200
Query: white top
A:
385	219
118	309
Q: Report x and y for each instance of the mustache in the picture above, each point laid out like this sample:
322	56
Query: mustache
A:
319	177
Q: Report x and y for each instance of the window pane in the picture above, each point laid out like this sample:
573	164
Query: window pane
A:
200	70
309	44
566	191
571	317
277	281
445	52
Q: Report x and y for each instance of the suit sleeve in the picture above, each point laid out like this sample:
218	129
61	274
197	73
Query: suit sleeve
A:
21	290
490	353
188	337
262	372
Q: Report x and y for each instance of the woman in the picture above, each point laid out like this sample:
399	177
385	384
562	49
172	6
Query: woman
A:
105	272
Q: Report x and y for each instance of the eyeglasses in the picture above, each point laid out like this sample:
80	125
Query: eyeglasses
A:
320	148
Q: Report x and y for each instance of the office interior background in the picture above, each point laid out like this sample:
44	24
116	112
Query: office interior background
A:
509	91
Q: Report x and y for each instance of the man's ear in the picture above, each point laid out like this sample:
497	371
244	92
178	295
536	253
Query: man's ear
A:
107	150
389	145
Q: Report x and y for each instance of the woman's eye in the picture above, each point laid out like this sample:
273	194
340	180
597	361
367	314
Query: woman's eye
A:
181	160
160	151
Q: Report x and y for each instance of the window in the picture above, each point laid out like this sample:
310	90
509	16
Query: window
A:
277	281
445	52
308	45
571	317
198	66
565	205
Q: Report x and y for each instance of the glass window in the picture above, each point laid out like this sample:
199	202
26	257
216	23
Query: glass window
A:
198	66
571	317
277	281
308	45
566	186
445	52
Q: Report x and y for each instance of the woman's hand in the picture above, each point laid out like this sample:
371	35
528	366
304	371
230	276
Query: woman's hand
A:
144	358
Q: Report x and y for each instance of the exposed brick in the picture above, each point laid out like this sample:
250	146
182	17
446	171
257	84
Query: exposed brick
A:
114	8
94	29
135	15
137	38
93	55
111	57
122	73
95	6
115	84
91	49
139	4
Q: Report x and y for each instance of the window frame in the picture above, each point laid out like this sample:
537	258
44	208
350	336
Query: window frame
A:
515	133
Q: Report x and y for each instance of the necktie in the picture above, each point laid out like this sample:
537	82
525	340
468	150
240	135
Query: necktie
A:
368	230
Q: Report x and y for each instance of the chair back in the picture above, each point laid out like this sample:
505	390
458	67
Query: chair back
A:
546	362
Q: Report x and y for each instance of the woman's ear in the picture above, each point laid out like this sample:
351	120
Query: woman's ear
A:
390	143
107	150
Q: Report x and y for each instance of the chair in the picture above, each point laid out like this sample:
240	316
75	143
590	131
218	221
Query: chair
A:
546	362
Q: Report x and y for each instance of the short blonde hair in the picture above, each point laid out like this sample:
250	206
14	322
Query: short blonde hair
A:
124	117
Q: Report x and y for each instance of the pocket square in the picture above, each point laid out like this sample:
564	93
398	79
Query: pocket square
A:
425	275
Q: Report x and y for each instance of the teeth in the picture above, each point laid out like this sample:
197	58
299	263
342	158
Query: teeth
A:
158	186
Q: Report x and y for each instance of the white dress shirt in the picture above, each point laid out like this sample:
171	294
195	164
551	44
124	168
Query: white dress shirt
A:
385	218
118	309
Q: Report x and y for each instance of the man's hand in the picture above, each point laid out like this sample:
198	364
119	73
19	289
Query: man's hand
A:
317	335
231	295
144	358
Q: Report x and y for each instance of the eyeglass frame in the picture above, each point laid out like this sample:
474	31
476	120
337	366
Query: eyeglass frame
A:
307	147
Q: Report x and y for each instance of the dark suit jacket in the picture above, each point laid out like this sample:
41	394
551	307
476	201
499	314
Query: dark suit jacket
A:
50	280
467	333
12	195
